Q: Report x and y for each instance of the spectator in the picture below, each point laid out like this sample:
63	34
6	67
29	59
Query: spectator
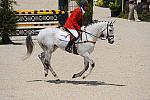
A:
133	10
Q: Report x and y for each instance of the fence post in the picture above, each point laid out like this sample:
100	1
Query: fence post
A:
122	6
63	5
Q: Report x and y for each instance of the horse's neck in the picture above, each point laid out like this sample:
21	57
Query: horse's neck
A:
94	29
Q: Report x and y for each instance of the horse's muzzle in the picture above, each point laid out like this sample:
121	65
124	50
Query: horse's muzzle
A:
111	41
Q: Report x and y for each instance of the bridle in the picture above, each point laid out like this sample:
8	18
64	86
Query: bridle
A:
108	35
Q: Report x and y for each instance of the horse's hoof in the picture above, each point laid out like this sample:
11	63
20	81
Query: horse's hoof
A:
39	56
84	77
46	75
55	75
74	76
57	80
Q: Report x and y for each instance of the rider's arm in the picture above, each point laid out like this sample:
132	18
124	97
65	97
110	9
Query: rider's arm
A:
76	17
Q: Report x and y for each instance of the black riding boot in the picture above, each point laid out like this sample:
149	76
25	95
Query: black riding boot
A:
68	47
70	43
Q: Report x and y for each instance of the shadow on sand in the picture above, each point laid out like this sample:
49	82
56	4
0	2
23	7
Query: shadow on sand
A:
86	83
12	44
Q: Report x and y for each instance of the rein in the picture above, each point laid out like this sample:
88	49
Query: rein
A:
86	42
90	33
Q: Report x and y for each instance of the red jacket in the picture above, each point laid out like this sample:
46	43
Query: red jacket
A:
75	20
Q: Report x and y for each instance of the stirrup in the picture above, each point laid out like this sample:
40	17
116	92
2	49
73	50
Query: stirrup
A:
68	49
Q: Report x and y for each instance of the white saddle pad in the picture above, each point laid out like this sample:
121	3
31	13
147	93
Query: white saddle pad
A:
64	36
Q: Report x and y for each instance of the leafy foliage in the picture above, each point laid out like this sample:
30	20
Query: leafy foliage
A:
8	18
114	6
102	3
88	14
145	16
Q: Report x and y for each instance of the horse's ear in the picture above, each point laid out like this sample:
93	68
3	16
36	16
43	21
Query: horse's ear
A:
112	22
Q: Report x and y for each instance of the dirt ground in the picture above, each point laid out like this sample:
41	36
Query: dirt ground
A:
122	70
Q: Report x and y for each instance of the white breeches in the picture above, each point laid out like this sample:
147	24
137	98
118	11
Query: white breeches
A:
74	32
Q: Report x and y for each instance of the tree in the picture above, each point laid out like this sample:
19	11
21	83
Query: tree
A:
89	13
8	20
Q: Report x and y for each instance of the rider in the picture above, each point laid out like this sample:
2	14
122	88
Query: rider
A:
74	23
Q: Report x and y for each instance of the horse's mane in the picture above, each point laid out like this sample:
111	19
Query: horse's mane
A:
95	22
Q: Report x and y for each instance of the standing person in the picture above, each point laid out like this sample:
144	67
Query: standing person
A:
74	23
133	10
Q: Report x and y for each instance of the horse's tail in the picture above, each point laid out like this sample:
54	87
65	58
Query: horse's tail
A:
29	45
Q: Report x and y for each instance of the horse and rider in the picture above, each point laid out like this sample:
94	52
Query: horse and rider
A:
50	39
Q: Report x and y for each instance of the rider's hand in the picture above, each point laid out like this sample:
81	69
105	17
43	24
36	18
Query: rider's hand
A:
83	28
79	32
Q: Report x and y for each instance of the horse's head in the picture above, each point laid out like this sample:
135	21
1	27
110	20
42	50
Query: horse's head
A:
101	29
110	32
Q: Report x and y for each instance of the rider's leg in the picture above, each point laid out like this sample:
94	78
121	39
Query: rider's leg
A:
68	47
73	38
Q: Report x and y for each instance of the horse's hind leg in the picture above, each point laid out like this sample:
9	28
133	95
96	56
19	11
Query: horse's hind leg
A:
49	65
86	66
42	58
48	58
45	58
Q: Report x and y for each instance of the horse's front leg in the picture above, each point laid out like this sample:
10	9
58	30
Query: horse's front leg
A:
92	63
86	66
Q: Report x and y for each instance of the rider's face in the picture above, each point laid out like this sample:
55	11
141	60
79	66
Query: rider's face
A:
85	7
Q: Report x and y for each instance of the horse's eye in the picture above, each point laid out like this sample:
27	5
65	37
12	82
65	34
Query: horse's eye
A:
110	30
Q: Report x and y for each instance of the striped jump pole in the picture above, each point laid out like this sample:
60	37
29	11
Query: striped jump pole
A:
31	20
